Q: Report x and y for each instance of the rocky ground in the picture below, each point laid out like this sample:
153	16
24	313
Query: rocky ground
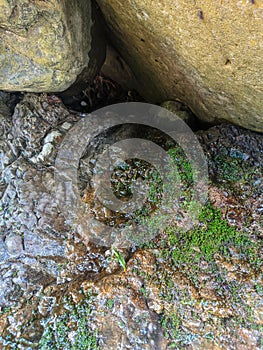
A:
185	290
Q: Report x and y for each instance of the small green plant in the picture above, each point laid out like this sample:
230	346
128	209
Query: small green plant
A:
120	258
110	303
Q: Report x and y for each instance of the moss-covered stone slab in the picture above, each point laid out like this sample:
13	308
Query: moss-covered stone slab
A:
206	53
47	45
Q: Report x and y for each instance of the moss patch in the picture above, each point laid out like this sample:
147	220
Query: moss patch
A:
192	254
70	330
212	235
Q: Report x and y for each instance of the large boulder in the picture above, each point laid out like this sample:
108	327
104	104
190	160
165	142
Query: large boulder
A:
48	45
206	53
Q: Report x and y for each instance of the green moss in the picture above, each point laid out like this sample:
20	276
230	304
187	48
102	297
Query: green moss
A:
259	289
74	320
180	171
234	168
192	253
228	169
185	252
170	325
110	303
174	332
183	165
212	235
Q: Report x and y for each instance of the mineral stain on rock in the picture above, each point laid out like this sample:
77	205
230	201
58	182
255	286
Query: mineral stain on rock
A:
187	290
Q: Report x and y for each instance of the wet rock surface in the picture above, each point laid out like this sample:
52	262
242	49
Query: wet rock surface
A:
176	292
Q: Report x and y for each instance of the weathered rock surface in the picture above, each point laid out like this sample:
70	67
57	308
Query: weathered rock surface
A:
46	46
57	293
117	69
207	54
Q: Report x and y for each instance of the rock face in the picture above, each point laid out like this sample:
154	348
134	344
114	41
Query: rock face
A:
46	46
207	54
202	290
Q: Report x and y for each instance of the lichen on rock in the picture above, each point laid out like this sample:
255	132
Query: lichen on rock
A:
47	45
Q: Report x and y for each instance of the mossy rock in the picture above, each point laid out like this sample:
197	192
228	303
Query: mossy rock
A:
47	46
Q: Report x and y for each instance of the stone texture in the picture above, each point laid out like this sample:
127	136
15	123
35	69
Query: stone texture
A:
117	69
47	45
44	265
208	54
